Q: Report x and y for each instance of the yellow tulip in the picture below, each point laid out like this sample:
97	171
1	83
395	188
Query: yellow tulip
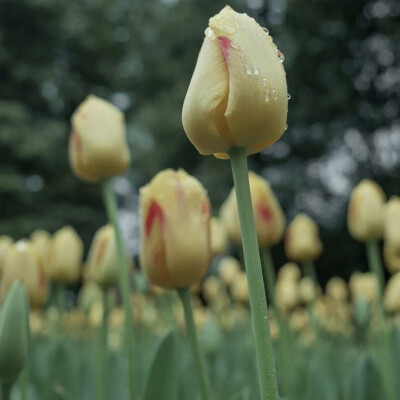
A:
391	254
268	215
290	271
302	242
287	295
308	290
98	147
392	294
238	95
365	285
23	263
89	294
391	249
41	241
175	234
65	256
240	288
212	288
5	244
102	263
337	290
219	238
228	269
366	211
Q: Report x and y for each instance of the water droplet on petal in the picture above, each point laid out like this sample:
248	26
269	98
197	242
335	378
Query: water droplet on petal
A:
274	94
210	33
249	71
289	96
256	70
230	30
267	94
281	56
266	30
234	45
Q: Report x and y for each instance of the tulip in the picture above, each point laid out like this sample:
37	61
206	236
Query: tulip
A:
219	238
307	290
240	289
289	271
391	254
5	244
238	95
268	215
364	285
337	290
391	250
102	261
175	235
366	211
302	241
212	289
98	149
22	263
89	294
65	256
287	295
14	336
392	297
41	240
228	268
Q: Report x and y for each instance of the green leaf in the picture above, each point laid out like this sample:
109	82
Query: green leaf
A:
162	379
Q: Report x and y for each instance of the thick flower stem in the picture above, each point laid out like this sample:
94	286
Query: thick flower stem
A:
103	351
110	202
258	301
6	391
375	265
309	270
184	295
269	274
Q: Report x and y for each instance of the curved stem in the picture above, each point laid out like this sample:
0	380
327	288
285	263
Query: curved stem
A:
258	301
184	295
375	264
269	274
110	202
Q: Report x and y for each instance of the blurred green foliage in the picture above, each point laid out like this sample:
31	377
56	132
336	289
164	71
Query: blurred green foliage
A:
342	63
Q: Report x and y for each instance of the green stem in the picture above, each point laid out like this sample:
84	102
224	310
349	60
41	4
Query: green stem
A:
184	295
269	274
375	265
6	391
258	301
103	351
309	270
110	202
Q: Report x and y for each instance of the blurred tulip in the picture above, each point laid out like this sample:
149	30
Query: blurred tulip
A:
268	215
22	263
212	288
365	214
41	241
89	294
392	294
391	250
308	290
391	255
364	285
98	147
228	269
237	96
65	256
5	244
287	295
240	289
102	264
14	334
300	320
219	238
337	290
290	271
175	234
302	242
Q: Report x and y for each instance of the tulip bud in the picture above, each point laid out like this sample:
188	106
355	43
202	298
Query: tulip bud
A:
308	290
237	96
212	288
175	234
22	263
98	147
302	241
336	289
366	210
391	254
287	295
228	269
391	249
392	294
268	215
364	285
219	238
41	240
65	256
14	333
102	264
240	288
89	294
5	244
289	271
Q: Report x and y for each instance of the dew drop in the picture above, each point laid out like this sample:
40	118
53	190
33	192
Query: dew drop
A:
289	96
286	127
256	70
266	30
267	94
210	33
234	45
230	30
249	71
281	56
274	94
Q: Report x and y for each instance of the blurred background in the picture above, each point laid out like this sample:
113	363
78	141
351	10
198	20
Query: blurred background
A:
343	71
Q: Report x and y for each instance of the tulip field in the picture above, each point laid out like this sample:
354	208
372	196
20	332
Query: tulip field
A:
203	312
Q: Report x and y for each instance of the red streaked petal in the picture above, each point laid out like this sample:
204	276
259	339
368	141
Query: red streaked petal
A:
265	212
155	212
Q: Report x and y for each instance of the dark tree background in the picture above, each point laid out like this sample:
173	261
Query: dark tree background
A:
343	71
